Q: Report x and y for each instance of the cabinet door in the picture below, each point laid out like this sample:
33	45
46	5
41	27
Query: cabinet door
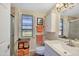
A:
49	51
4	29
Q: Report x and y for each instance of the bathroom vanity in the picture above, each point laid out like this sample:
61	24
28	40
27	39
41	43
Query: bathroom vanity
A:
59	47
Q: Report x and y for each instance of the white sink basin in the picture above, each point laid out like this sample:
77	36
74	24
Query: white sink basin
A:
61	49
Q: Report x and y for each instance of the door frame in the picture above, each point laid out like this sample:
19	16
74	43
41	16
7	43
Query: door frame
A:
11	41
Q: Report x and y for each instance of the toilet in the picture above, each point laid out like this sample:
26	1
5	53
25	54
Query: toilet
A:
40	50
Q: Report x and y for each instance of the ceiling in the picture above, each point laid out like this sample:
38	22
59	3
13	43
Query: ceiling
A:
38	7
45	7
74	12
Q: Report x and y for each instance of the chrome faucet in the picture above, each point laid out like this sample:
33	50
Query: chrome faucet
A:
70	43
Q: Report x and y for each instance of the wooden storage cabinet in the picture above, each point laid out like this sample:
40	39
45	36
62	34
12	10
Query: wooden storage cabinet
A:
23	48
23	52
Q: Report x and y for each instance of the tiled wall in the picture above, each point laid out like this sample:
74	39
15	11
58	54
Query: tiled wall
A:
51	35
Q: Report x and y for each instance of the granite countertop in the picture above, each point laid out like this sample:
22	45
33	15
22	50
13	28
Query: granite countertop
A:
62	48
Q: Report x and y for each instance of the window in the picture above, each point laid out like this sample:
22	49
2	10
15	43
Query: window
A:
26	26
61	27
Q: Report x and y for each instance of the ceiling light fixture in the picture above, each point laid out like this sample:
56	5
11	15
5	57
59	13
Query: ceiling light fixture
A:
63	6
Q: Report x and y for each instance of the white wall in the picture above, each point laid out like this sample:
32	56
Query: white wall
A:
48	23
55	22
52	22
52	25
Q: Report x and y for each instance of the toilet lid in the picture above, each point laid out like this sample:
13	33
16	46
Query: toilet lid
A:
40	50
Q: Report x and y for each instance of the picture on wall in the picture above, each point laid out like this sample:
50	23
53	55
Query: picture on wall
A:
39	21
